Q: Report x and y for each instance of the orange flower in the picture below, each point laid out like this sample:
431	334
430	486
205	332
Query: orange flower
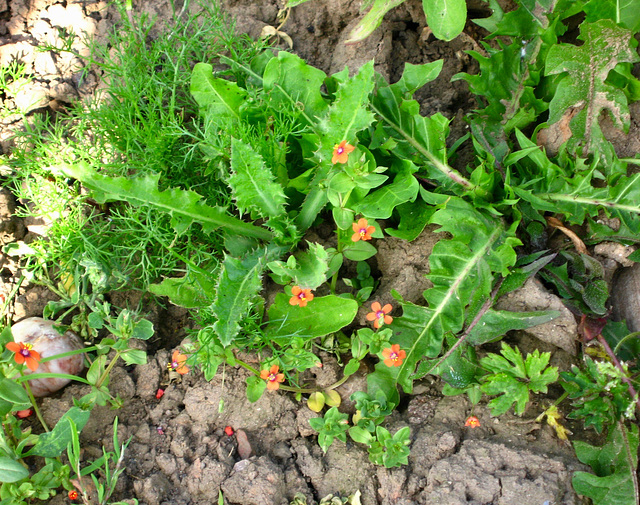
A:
73	495
472	422
178	363
362	230
393	356
24	353
300	296
272	377
341	152
379	314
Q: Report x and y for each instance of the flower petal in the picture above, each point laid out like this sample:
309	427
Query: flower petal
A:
13	346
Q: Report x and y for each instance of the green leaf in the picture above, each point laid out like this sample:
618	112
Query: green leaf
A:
316	401
195	290
461	272
309	268
419	139
13	396
360	435
134	357
372	20
614	464
624	11
510	390
238	285
576	194
11	470
380	203
254	186
359	251
255	388
220	98
496	323
291	81
53	443
513	377
185	206
414	216
414	77
347	115
446	18
587	68
351	367
321	316
142	329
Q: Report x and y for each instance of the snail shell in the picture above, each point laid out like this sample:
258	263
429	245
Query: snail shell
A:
46	340
625	296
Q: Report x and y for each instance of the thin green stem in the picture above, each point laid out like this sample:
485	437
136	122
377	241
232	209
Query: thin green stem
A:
35	405
107	370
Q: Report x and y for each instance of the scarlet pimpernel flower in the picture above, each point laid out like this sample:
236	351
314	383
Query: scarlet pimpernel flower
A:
300	296
24	353
393	356
341	152
362	230
178	363
472	422
73	495
380	316
272	377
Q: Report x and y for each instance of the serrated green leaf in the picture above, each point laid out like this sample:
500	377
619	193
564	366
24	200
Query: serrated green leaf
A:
510	390
514	355
461	271
414	217
309	270
347	115
321	316
238	285
446	18
584	88
421	140
290	80
575	195
254	186
220	98
185	206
